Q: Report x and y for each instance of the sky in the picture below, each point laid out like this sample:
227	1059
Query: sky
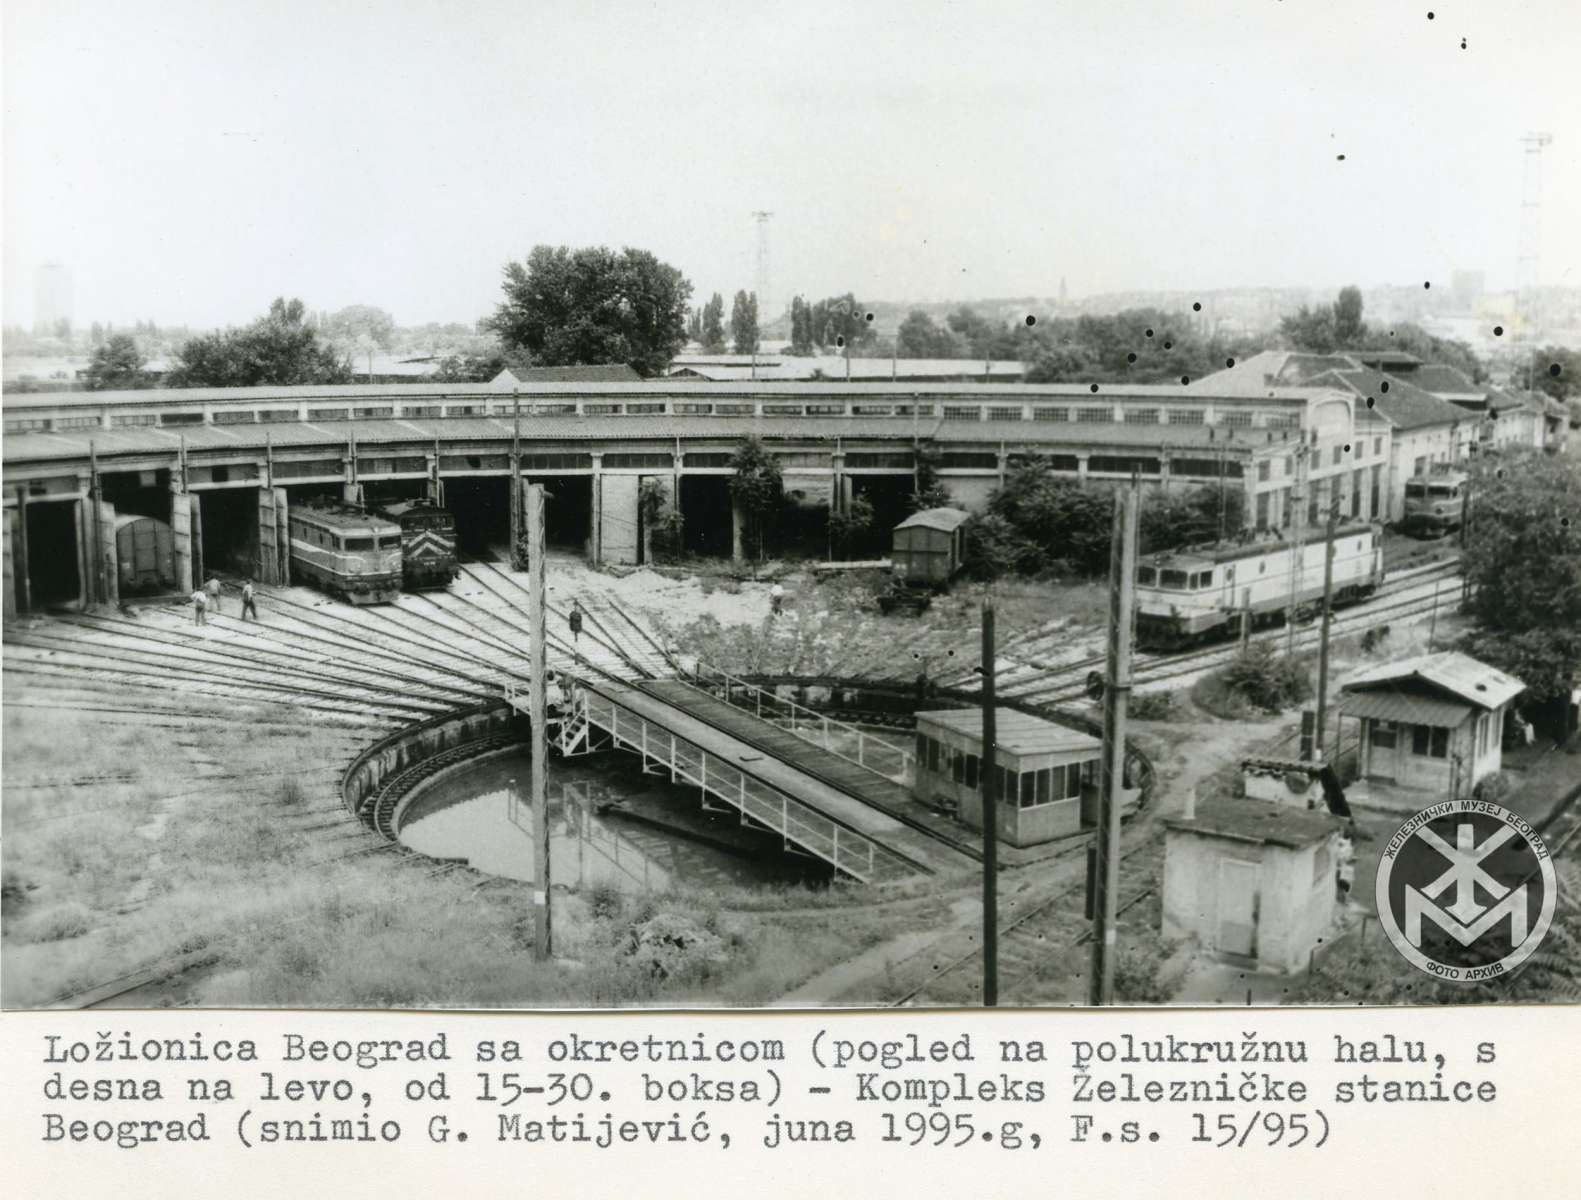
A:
189	161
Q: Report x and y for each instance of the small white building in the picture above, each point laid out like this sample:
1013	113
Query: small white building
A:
1432	724
1252	880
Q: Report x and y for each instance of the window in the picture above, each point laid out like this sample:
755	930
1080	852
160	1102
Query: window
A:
644	409
707	458
1262	510
1415	490
1095	416
1186	416
957	765
277	414
638	460
1265	470
1377	445
1283	420
1290	465
121	419
826	410
922	749
181	418
389	541
1050	414
1141	416
933	755
867	458
733	410
359	543
327	414
1339	453
95	423
422	410
1002	413
1377	483
556	462
1115	465
1147	576
1430	741
1236	420
960	412
466	410
1420	468
694	410
1205	580
1383	735
368	414
1175	580
972	763
969	459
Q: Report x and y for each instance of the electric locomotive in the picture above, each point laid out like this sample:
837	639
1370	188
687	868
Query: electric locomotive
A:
1435	504
347	552
428	543
1200	593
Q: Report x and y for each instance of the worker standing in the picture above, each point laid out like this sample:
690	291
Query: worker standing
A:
576	620
249	601
776	599
200	607
214	593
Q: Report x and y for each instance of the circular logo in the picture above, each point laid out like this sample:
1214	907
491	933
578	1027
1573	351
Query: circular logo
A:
1466	890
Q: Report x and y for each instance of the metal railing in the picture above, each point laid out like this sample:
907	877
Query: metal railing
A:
810	831
814	727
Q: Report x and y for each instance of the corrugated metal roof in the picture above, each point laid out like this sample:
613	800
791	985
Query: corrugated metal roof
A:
1403	404
1018	732
35	446
945	519
1259	821
1451	671
1411	708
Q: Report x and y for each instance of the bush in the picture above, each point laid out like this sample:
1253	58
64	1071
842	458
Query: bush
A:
1265	679
1154	706
56	923
1494	788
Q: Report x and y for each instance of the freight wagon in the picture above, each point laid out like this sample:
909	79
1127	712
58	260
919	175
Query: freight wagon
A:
928	550
145	555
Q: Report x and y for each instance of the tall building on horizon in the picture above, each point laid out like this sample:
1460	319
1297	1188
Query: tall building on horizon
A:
52	297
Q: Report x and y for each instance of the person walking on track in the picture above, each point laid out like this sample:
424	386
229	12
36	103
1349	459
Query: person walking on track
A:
576	620
249	601
214	593
200	607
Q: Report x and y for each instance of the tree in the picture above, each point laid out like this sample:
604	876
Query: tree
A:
361	323
569	307
930	490
1349	328
840	323
1067	363
118	363
1536	372
919	337
801	326
280	349
744	322
694	326
848	528
470	368
1328	327
1523	560
1413	339
757	488
714	324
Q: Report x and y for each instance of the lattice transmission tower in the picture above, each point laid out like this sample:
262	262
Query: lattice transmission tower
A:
1528	314
760	284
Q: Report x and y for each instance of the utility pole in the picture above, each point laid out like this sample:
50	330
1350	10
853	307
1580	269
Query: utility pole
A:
1298	500
990	782
538	669
1328	606
516	479
1106	862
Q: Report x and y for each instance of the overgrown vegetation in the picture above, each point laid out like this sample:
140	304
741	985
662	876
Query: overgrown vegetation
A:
1258	679
758	489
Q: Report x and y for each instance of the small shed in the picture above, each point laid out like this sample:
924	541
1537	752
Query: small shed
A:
1252	880
929	547
1048	774
1434	723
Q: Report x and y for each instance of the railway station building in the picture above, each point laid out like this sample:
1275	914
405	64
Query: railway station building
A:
221	466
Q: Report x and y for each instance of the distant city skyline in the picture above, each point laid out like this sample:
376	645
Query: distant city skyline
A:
190	168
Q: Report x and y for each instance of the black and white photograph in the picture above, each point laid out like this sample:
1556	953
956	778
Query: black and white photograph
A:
687	506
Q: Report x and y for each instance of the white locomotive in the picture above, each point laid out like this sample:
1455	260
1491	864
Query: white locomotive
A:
1199	593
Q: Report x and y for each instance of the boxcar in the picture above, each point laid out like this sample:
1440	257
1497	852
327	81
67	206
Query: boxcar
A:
428	543
145	555
347	552
1434	504
929	547
1198	594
